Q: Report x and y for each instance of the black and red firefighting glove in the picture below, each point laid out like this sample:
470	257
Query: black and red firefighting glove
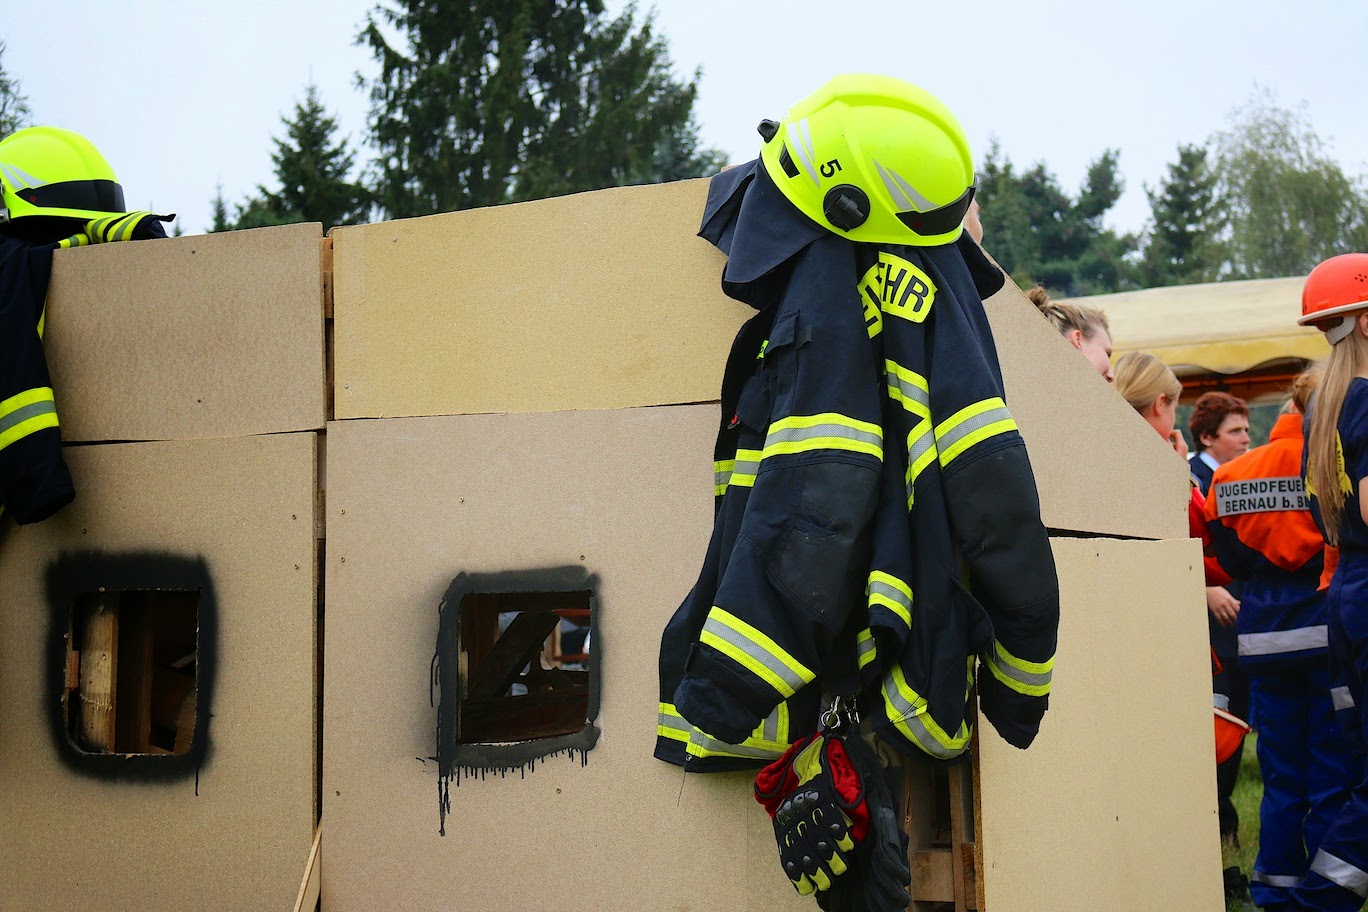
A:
880	876
123	226
817	802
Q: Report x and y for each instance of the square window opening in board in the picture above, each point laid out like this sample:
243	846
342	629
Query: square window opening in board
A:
131	671
524	665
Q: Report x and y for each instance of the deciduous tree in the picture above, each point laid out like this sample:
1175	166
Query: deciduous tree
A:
1289	203
14	108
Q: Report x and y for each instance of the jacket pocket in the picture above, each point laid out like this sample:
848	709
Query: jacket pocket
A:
825	550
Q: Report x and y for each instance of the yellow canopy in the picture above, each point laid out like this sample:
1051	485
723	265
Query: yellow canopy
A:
1221	328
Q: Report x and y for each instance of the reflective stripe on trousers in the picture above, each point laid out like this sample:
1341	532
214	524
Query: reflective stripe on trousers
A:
1279	641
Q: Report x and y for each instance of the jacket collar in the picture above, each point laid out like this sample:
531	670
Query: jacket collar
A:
1286	426
748	219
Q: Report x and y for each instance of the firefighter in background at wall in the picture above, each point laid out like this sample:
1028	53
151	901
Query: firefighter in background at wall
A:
56	191
1266	539
877	534
1335	300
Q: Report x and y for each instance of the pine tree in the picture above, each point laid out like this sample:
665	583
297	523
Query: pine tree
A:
220	209
14	108
1039	233
481	102
312	166
1182	247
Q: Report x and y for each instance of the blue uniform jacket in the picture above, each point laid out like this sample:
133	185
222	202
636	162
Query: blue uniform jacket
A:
1264	535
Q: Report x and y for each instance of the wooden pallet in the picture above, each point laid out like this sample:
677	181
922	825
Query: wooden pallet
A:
939	814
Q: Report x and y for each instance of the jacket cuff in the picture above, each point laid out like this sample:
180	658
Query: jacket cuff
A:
38	495
713	699
1016	717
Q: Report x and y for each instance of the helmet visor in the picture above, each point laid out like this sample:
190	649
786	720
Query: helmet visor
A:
87	195
938	221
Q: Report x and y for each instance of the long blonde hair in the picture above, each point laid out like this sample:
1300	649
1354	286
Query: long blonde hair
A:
1348	359
1067	317
1142	378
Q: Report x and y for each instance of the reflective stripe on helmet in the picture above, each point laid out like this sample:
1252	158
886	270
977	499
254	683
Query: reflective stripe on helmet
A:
938	221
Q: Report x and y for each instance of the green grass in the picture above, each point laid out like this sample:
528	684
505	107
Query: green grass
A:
1246	797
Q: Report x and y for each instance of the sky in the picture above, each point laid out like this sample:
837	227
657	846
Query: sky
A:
184	96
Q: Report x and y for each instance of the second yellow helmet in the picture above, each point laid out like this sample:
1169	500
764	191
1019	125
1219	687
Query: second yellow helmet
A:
55	172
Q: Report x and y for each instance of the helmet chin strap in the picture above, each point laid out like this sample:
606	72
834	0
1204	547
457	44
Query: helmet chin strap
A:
1340	332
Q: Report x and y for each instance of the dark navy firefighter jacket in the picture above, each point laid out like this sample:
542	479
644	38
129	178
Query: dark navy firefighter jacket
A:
877	527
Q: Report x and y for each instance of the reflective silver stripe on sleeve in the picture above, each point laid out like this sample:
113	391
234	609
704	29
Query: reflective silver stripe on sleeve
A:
745	465
1337	870
756	652
700	743
24	413
1274	880
866	650
1279	641
911	723
892	593
910	391
969	425
798	435
674	723
917	449
769	729
1341	698
1021	676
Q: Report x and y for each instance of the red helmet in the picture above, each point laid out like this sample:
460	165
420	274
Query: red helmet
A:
1336	288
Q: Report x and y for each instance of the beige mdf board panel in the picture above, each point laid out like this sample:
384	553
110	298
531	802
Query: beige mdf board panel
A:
412	502
594	301
608	299
1099	467
215	335
78	842
1114	805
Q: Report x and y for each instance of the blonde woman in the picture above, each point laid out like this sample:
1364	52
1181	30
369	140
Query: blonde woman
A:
1152	390
1335	300
1083	327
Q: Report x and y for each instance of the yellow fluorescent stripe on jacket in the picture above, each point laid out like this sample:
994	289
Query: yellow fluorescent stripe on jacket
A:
865	647
722	473
670	724
895	595
744	468
826	431
754	651
1029	678
970	425
25	413
767	742
909	388
921	452
907	710
76	240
